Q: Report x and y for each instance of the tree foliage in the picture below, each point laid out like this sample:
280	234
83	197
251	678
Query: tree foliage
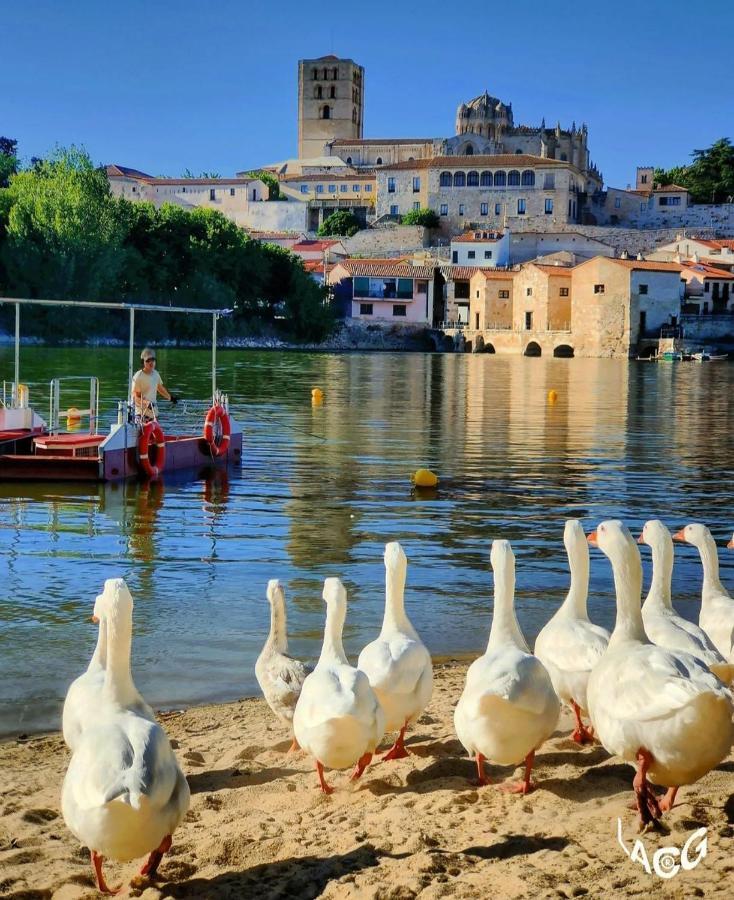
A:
341	223
428	218
8	160
64	236
709	178
269	180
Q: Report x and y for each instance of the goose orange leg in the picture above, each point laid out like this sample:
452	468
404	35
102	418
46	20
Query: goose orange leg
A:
324	786
525	786
647	802
293	747
102	885
154	860
481	777
398	749
362	764
581	734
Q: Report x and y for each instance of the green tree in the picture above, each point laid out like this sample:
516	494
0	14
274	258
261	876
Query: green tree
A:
709	178
341	222
8	160
187	173
425	217
64	236
291	289
269	180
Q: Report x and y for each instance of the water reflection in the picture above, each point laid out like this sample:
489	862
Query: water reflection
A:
323	488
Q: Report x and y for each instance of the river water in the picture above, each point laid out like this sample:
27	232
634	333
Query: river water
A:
321	490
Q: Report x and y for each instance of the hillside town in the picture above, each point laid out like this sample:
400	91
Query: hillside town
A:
529	252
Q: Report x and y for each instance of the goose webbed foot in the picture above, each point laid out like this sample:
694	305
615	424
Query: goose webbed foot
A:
362	764
581	734
647	803
481	780
526	786
398	749
327	789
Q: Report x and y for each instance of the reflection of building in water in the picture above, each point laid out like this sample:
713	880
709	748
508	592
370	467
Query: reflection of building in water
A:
509	415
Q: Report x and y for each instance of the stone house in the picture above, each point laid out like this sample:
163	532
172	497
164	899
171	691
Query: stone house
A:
389	290
615	302
233	197
319	250
328	192
707	288
714	251
542	298
492	192
487	249
491	299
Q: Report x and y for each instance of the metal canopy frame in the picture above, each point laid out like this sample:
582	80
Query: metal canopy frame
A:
132	308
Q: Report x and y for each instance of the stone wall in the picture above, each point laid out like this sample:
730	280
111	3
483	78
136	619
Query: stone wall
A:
703	329
387	240
276	215
633	240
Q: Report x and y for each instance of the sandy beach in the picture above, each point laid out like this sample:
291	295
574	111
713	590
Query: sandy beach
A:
259	827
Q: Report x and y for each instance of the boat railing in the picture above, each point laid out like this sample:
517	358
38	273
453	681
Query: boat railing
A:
73	414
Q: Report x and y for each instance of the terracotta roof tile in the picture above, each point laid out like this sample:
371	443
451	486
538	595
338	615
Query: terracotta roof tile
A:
389	268
497	274
379	142
707	271
563	271
649	265
313	246
459	273
361	176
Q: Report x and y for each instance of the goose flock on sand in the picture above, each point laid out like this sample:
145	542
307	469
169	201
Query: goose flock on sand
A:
655	692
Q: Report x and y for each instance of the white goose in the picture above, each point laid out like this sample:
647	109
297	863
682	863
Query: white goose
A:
123	794
570	645
398	664
84	691
662	624
717	607
662	711
280	676
338	718
508	707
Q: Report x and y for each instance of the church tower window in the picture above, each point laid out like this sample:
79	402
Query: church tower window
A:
317	92
332	92
326	112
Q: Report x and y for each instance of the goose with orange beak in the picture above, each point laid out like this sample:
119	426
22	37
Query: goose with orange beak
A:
662	623
662	711
717	606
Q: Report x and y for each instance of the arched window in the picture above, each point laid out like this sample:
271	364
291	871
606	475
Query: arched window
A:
528	178
349	160
317	92
485	179
445	179
564	157
378	161
354	114
513	178
314	74
469	151
326	74
518	152
459	179
335	73
472	179
500	179
326	112
332	92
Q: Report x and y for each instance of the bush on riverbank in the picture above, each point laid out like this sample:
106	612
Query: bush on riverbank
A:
63	236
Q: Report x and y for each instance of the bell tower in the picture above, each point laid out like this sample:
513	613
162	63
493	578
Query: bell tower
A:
330	103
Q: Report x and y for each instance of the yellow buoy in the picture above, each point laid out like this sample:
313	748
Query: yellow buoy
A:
424	478
317	395
552	396
73	418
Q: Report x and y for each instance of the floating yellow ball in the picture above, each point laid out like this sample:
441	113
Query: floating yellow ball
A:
552	396
73	418
317	395
424	478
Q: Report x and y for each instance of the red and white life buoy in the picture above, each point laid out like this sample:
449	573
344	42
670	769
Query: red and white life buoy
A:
217	437
151	437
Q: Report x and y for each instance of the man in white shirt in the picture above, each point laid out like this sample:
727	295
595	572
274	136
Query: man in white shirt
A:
147	384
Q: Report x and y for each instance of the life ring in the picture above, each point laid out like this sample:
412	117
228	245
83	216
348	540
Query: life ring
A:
217	414
152	434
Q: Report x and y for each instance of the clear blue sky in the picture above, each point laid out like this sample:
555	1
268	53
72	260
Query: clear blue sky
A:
164	86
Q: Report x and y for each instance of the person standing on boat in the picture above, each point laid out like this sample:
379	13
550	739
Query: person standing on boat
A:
147	384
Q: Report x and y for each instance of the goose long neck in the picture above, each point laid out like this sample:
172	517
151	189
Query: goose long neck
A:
395	618
578	592
710	563
662	574
118	683
99	657
505	628
332	649
627	571
278	637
